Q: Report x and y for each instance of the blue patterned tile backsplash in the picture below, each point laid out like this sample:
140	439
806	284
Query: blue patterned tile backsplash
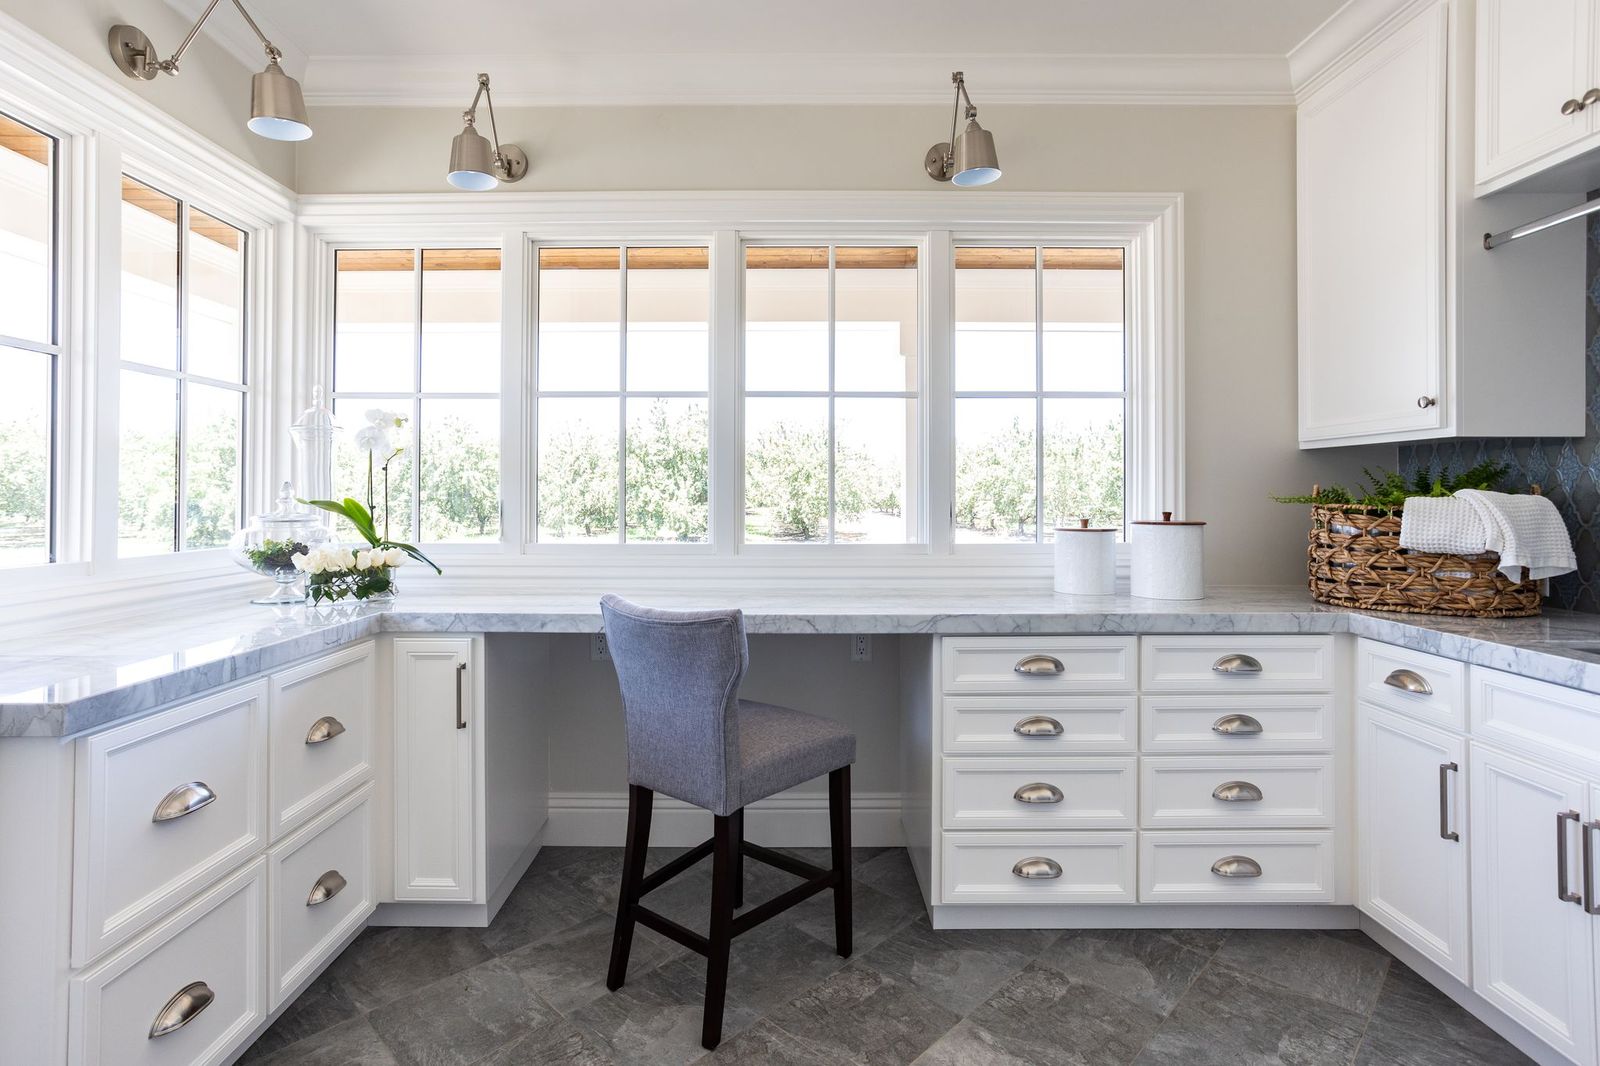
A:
1568	471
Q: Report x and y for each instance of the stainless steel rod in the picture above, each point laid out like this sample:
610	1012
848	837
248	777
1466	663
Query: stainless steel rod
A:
1492	241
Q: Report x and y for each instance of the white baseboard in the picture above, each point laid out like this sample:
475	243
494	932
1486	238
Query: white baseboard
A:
1145	916
788	820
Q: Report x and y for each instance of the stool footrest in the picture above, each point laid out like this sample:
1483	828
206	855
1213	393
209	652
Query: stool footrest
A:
671	929
787	863
743	923
672	869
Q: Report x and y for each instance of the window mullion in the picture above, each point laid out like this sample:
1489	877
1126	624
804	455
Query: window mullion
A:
1038	401
180	461
416	408
622	395
726	401
833	434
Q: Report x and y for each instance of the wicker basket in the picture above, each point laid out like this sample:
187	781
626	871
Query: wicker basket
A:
1355	560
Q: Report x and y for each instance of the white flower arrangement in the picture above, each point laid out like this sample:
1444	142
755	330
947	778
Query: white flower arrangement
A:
334	572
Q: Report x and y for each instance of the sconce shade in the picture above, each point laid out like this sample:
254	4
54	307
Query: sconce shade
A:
277	107
975	159
472	162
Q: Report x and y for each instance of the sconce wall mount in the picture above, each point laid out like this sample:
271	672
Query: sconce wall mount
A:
968	158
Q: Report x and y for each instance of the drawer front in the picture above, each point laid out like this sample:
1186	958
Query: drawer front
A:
1189	867
1278	791
1236	724
320	891
983	868
216	941
1413	683
1033	665
1536	718
321	733
1040	793
1040	725
130	868
1245	663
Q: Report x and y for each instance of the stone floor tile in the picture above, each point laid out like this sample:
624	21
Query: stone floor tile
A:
540	906
875	917
568	969
764	1044
555	1043
860	1015
351	1043
322	1005
767	967
956	968
1145	966
655	1020
463	1018
386	963
1333	970
1417	1025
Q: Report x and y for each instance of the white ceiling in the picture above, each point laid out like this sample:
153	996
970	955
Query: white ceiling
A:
667	51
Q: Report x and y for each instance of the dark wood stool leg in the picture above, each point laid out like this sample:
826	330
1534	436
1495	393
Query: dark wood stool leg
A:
737	817
640	803
720	934
839	831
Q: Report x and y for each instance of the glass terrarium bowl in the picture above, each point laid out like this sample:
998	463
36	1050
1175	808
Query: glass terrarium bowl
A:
268	545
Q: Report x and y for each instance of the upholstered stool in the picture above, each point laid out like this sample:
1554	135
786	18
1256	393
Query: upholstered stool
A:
691	737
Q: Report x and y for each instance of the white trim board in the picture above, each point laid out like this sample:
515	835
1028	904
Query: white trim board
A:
787	820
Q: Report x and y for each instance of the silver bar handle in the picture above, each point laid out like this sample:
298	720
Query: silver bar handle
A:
1563	891
1445	832
1409	681
1039	666
1590	905
1038	725
1038	792
324	729
461	713
1237	725
1237	792
1236	866
184	1007
183	800
1037	869
1237	664
330	884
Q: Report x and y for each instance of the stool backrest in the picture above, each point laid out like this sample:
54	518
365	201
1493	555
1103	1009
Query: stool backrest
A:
680	674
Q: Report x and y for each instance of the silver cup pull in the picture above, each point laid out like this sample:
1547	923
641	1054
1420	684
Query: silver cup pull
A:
324	729
330	884
1409	681
1236	866
1037	869
184	1007
1237	792
1237	664
1236	725
185	799
1038	725
1039	666
1038	792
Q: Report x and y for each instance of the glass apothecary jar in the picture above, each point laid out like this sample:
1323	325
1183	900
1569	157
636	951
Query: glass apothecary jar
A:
268	545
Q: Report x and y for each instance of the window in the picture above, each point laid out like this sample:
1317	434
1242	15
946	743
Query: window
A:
180	451
832	378
29	344
417	332
1040	390
622	363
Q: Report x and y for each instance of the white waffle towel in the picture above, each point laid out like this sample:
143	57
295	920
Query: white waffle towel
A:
1526	531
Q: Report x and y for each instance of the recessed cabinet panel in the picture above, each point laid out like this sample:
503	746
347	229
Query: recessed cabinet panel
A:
1533	63
1040	725
1038	868
1285	792
1039	665
1040	793
435	719
1265	866
321	733
1236	725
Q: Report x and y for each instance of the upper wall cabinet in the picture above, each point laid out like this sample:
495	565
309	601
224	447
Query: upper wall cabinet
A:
1409	328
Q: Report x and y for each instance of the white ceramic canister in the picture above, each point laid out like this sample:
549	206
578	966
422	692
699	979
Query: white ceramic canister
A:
1169	559
1086	560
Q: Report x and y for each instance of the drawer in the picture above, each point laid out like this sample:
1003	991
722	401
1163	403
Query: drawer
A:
320	891
130	868
1189	867
1236	724
1032	665
1294	791
213	948
1537	718
321	733
1040	725
1413	683
1066	793
984	868
1246	663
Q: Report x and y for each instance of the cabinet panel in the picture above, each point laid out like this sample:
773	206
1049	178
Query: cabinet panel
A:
1040	793
1039	665
1532	57
1284	792
1244	663
1094	867
1411	876
1266	866
321	733
1040	725
1422	686
434	721
1236	725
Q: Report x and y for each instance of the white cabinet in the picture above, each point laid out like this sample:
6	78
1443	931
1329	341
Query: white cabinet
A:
321	735
1411	824
436	748
1405	318
1532	942
1534	66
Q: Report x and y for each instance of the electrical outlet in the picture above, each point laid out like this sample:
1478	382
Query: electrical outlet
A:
861	648
599	650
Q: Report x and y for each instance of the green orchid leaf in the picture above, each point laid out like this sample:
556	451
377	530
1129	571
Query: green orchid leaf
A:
412	551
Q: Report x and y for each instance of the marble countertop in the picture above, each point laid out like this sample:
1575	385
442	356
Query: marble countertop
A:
77	680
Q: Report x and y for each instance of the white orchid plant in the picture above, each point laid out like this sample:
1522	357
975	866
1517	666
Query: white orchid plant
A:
334	573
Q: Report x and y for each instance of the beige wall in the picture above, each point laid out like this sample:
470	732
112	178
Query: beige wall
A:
1235	166
211	96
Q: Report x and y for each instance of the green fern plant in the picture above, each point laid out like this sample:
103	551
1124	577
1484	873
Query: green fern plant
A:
1388	490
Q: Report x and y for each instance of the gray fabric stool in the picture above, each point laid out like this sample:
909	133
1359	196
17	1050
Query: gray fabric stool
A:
691	737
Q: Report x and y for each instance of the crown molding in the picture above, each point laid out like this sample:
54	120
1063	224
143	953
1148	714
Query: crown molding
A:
229	31
1346	34
711	79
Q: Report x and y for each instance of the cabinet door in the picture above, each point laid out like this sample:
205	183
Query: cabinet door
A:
1532	950
434	788
1371	205
1411	823
1533	56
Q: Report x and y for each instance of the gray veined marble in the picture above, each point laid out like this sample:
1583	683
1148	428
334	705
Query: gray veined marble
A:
77	680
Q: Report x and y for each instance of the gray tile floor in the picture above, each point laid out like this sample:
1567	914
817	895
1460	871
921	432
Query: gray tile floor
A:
530	989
